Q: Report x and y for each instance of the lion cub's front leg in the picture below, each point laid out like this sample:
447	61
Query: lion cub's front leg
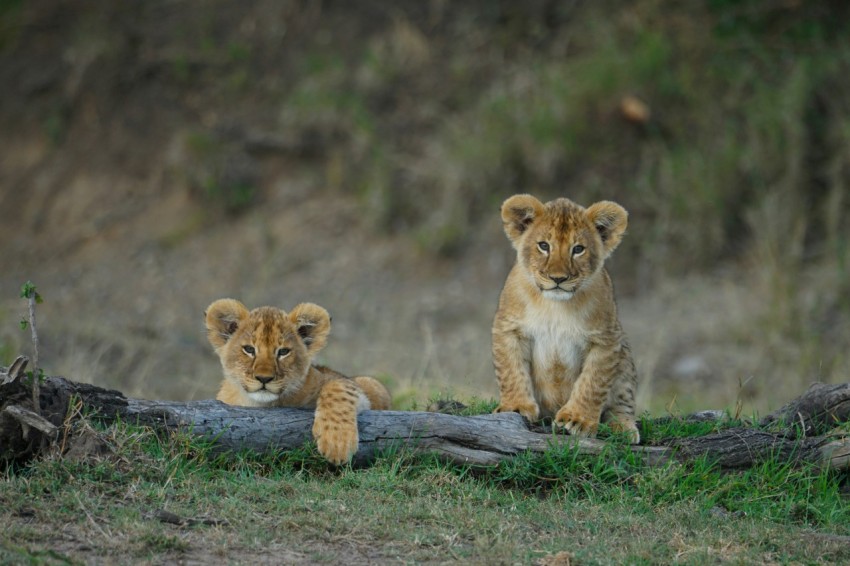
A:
510	358
581	414
335	421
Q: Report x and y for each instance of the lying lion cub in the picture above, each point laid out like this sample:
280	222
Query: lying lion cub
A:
558	346
266	355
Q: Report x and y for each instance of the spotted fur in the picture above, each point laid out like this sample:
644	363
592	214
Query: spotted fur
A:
558	347
267	354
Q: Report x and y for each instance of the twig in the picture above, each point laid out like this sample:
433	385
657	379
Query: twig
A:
35	403
31	295
174	519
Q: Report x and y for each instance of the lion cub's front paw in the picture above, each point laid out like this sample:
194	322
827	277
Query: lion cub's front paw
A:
629	428
528	410
576	423
336	442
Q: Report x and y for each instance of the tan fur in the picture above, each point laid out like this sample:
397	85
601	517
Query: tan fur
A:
558	347
267	344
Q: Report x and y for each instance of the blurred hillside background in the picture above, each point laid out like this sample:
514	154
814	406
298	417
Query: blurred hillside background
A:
156	156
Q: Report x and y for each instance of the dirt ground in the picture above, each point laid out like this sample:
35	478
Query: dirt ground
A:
90	544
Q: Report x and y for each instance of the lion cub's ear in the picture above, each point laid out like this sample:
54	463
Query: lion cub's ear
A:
223	317
313	324
610	220
518	213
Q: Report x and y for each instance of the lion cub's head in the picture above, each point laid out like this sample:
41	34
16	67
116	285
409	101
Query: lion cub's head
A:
266	351
560	244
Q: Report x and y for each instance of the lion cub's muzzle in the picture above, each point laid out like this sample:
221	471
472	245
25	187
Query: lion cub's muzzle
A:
558	288
558	283
268	390
264	379
261	384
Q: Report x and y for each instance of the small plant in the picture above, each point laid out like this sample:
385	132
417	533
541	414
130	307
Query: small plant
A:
29	292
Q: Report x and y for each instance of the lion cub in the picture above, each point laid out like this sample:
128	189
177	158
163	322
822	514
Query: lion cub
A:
266	355
558	346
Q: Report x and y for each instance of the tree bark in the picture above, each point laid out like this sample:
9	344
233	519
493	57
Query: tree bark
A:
820	409
481	440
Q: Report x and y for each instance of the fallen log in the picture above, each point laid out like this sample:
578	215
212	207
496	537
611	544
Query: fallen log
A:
477	440
820	409
481	440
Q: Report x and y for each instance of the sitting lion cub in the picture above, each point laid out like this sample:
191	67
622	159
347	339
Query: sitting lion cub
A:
558	346
266	355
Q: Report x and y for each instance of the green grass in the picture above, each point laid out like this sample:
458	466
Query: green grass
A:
658	431
606	509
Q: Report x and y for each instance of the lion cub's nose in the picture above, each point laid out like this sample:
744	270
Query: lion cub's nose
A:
558	280
264	378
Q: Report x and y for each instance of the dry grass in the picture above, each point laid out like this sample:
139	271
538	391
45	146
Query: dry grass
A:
291	508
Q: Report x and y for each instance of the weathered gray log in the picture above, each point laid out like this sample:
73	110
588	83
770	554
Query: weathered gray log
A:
820	409
741	447
479	440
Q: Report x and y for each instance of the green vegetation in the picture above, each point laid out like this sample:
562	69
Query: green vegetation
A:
29	292
600	510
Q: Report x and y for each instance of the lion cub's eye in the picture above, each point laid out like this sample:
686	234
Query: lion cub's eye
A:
578	249
249	350
543	247
283	352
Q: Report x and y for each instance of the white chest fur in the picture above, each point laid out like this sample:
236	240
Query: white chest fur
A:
559	340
